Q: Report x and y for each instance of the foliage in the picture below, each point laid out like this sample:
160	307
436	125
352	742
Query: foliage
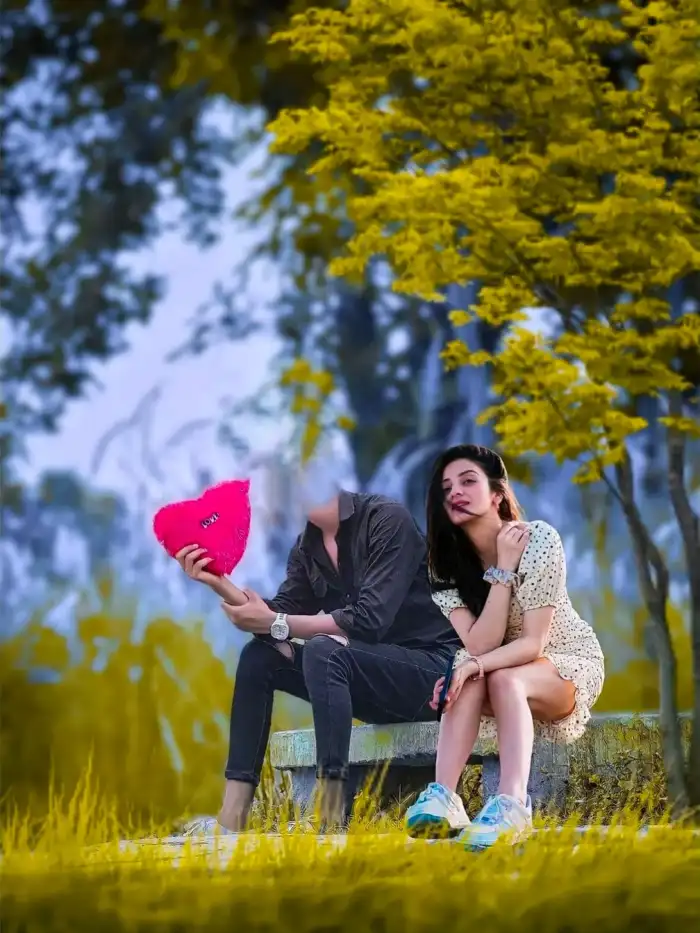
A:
547	183
149	710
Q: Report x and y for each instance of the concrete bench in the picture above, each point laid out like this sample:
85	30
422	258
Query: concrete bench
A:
408	753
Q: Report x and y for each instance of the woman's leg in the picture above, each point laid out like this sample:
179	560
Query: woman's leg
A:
459	729
439	809
517	695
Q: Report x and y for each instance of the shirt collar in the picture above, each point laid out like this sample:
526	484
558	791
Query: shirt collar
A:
346	510
346	505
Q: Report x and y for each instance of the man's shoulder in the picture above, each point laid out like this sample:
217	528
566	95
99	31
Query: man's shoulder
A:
384	516
376	503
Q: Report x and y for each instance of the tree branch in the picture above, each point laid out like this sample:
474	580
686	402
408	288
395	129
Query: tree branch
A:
690	533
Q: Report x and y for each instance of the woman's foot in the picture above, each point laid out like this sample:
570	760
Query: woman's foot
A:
438	813
501	815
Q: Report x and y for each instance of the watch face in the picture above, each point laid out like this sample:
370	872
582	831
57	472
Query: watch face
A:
279	630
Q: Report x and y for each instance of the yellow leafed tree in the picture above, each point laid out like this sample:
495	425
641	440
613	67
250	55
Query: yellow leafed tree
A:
549	151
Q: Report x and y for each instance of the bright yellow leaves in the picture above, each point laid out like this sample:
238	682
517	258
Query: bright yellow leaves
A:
552	406
493	145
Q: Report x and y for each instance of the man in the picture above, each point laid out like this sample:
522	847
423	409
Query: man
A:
353	630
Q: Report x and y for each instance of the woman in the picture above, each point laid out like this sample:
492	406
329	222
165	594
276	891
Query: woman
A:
529	661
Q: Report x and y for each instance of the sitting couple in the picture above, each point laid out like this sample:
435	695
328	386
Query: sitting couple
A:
358	632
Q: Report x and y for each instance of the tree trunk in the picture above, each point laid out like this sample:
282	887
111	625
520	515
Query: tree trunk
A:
690	534
654	581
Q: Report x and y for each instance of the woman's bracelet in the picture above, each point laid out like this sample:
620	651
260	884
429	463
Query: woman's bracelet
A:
464	657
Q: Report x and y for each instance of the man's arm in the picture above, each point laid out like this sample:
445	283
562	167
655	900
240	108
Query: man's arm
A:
396	550
295	594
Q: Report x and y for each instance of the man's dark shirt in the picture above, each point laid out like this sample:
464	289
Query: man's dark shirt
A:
380	591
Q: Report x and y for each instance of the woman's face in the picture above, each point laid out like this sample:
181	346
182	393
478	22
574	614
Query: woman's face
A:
466	492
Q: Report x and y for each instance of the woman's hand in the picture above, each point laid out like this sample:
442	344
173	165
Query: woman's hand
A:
511	542
460	675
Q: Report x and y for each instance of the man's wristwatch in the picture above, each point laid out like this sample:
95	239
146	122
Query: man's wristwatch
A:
280	627
505	577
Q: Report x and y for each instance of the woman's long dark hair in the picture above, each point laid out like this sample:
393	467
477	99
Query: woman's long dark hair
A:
452	558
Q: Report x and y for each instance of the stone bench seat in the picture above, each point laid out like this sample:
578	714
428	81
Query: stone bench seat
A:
407	751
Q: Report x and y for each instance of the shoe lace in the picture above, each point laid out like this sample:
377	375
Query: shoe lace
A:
200	825
494	811
430	793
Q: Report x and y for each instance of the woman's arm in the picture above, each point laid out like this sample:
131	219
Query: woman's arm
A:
524	649
481	634
543	566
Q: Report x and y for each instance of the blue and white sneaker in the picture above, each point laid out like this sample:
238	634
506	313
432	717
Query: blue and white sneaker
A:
438	813
502	815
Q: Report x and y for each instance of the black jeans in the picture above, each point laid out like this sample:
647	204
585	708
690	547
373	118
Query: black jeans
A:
378	684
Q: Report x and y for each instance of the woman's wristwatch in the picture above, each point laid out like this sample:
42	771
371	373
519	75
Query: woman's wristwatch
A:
505	577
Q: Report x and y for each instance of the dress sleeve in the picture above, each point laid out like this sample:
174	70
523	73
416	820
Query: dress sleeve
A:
542	569
447	601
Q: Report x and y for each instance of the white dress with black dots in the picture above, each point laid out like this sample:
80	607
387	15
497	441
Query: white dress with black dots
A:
572	646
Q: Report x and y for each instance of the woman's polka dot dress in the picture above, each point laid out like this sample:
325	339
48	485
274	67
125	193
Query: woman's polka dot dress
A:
572	647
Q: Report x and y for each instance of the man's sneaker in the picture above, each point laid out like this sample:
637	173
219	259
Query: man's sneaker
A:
206	827
437	813
500	816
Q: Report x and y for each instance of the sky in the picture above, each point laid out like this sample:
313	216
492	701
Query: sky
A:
192	387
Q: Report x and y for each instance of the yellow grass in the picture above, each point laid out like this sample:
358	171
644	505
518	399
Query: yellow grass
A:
69	873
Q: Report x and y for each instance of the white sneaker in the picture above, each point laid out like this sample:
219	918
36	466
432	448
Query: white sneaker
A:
206	827
501	815
437	812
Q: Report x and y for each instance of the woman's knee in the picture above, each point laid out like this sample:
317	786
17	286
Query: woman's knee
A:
506	680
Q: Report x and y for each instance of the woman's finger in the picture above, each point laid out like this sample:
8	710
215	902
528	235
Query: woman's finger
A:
182	554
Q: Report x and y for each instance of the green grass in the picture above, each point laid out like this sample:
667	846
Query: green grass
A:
69	873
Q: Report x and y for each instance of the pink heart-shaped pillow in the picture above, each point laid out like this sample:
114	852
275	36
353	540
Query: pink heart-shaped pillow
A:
219	520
